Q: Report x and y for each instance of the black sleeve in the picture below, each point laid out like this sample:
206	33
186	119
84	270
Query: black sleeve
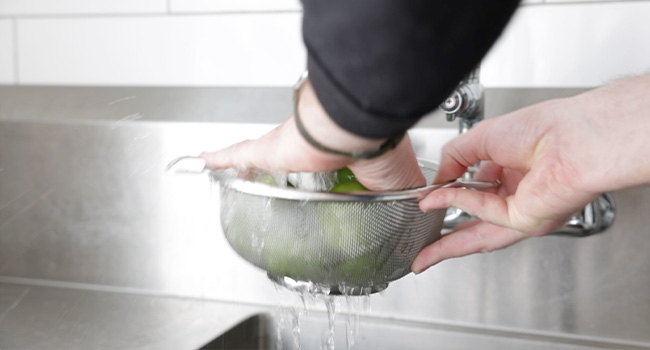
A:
378	66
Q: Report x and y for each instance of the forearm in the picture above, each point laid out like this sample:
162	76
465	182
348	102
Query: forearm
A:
378	66
618	133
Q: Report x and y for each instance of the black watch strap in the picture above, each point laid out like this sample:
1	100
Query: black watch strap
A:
390	144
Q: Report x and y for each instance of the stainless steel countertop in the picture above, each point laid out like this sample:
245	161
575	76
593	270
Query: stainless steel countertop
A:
264	105
34	317
87	211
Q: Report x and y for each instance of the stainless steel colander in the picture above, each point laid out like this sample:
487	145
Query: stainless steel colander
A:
355	240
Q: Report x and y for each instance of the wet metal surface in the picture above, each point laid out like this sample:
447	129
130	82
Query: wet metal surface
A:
60	318
85	205
53	318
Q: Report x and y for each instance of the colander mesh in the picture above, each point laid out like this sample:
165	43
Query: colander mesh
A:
327	242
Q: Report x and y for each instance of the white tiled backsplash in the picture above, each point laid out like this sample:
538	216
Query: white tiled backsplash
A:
67	7
196	6
549	43
208	50
571	45
6	52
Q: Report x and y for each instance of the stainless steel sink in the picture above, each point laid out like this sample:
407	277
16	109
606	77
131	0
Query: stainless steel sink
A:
257	332
261	332
85	205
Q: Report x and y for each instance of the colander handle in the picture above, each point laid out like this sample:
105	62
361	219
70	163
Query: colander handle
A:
186	165
424	191
472	184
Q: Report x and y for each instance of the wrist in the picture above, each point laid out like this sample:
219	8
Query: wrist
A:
330	137
324	130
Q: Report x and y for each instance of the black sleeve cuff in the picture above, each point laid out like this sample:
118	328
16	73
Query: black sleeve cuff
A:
378	66
348	114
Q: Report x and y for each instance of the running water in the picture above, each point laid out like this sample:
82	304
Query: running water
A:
305	296
351	323
330	304
256	236
288	318
356	304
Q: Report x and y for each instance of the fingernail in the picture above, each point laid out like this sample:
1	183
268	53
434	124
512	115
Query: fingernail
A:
419	270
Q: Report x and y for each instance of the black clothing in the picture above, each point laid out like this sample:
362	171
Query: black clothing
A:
378	66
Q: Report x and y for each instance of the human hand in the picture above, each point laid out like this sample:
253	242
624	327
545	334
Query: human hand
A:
552	159
284	150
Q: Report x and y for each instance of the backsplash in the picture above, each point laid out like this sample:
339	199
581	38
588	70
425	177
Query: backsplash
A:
573	44
258	43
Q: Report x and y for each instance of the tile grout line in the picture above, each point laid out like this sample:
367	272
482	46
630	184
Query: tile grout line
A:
15	47
150	14
278	11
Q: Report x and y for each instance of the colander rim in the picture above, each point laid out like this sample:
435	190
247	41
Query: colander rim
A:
269	191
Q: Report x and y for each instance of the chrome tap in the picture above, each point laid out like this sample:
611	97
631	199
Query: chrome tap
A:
466	103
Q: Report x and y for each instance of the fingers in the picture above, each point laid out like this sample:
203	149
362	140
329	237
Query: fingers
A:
480	237
396	169
510	140
235	156
461	153
486	206
488	172
249	153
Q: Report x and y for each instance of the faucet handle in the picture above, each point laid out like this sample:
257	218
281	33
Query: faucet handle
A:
595	217
452	105
465	102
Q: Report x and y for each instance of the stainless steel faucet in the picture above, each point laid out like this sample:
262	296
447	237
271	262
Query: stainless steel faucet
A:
466	104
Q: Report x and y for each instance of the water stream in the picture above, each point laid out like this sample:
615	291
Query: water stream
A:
294	308
257	227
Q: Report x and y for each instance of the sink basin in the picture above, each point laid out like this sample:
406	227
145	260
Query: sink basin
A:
353	332
256	332
86	204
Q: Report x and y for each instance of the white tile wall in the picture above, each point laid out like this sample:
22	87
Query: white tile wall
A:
257	42
49	7
7	75
214	50
233	5
574	45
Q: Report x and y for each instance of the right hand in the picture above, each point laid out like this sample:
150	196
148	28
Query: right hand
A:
283	149
552	158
